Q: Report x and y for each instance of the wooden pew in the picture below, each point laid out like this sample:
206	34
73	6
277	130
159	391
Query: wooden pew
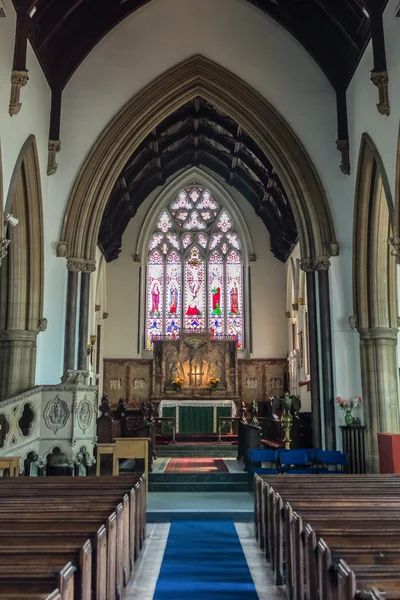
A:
43	514
350	512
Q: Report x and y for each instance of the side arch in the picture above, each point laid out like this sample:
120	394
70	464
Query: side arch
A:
194	77
375	297
21	288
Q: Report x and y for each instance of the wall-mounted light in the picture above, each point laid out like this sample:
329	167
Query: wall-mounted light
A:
9	218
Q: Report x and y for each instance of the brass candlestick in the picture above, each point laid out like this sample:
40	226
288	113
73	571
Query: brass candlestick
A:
287	423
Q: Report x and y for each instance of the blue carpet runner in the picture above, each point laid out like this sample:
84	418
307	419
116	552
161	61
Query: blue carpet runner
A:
204	560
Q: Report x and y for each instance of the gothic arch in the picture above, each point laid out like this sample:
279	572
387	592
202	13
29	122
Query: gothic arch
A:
194	77
21	289
375	296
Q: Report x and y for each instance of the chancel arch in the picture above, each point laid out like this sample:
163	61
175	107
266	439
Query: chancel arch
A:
198	113
198	77
375	296
21	289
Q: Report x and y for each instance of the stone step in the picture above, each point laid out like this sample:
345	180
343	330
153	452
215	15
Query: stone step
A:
166	516
198	486
198	477
193	450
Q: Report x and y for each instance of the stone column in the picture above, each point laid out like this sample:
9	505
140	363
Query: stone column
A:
322	266
83	320
309	267
378	349
17	361
85	267
70	319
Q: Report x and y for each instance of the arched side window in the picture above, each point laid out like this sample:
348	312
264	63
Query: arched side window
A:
195	269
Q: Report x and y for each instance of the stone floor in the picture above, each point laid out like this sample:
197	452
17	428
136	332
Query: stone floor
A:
148	567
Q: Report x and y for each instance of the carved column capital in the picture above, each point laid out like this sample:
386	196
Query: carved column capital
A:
42	324
395	243
62	249
83	265
344	149
54	146
319	263
3	249
353	322
18	80
381	80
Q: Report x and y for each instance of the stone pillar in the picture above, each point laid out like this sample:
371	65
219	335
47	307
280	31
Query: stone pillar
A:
322	266
378	349
70	319
309	267
314	358
17	361
83	321
85	267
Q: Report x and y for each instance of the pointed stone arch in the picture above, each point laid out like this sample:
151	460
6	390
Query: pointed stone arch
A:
194	77
375	297
21	286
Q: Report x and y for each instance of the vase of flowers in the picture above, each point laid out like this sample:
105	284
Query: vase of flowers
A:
177	383
347	406
213	383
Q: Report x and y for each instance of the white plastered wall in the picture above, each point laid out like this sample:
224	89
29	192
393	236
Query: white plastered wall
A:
268	288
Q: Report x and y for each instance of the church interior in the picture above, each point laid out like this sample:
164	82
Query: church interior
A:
199	299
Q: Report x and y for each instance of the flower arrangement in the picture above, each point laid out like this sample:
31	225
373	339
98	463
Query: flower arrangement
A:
177	383
347	406
213	383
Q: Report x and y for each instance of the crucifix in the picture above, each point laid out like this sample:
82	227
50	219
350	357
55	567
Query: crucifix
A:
195	375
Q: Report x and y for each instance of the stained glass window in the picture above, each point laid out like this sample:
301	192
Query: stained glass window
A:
194	269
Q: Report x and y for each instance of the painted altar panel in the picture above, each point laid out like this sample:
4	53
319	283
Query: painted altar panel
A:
195	358
259	379
130	379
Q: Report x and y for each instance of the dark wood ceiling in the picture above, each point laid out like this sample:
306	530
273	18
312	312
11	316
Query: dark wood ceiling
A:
334	32
199	134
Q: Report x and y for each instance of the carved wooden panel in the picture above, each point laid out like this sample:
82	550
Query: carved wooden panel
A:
261	378
129	379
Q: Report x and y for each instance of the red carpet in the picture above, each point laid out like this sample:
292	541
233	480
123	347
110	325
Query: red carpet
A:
196	465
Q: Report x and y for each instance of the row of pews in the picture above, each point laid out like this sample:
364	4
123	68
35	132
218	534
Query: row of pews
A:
331	537
67	538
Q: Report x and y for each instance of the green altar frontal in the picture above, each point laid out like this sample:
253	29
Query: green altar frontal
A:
196	416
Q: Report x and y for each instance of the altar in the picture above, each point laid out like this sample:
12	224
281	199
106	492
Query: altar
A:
197	416
195	380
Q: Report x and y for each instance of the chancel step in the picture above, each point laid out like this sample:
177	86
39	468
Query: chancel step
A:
198	482
193	450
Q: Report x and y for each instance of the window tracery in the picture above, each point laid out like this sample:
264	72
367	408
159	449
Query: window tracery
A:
194	269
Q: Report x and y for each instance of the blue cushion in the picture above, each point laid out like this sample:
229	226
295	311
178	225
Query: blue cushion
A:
293	457
260	456
332	457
